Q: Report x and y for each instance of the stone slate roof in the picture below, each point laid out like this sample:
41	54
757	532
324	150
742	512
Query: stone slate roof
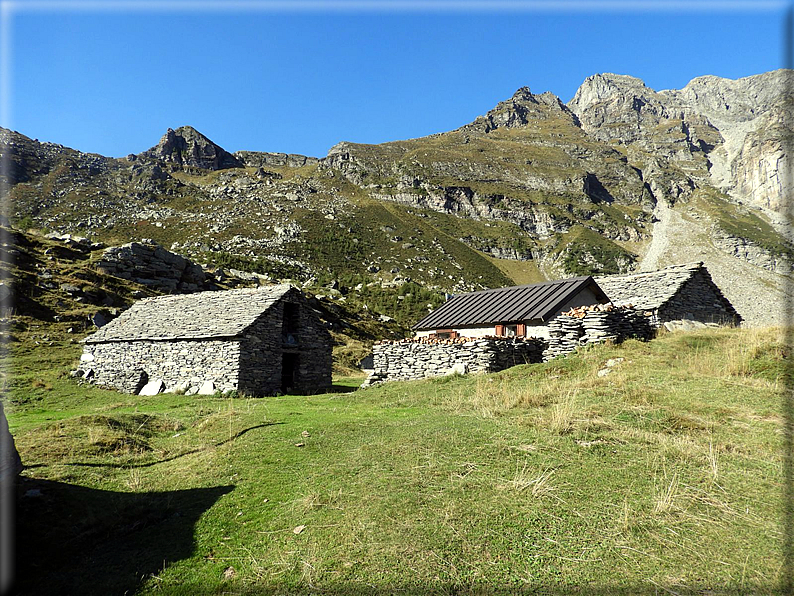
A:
508	305
203	315
650	291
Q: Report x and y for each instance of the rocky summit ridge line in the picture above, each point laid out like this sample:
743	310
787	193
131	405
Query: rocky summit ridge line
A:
621	178
740	126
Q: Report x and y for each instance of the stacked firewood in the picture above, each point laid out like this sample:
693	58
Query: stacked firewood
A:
580	312
435	341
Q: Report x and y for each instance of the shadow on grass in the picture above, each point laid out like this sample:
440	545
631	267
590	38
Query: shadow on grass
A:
77	540
167	459
336	388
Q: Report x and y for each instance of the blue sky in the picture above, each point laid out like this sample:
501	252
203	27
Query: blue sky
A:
262	77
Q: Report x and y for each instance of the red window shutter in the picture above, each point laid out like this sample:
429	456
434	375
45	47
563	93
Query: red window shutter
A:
500	330
521	330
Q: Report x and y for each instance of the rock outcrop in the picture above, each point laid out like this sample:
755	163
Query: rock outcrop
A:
258	159
187	147
729	133
151	265
521	109
10	463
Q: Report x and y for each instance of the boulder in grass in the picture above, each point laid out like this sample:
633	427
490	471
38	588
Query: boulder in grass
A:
458	368
207	388
153	387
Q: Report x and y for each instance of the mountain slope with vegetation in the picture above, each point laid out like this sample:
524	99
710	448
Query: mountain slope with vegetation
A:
54	291
534	189
638	468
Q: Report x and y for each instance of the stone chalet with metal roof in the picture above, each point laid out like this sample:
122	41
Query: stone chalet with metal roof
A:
258	341
516	311
671	294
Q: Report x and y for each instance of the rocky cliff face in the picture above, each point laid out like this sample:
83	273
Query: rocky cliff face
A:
187	147
729	133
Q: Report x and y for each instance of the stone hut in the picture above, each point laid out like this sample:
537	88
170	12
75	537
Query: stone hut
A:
675	293
516	311
258	341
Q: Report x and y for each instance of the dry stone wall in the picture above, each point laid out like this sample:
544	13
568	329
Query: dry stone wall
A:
422	358
181	365
596	324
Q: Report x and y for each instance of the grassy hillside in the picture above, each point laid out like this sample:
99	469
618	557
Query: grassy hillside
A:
433	209
57	290
663	476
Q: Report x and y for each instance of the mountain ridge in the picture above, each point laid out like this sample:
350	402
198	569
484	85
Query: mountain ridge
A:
722	119
533	189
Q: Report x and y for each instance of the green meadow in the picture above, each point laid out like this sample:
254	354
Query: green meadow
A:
663	476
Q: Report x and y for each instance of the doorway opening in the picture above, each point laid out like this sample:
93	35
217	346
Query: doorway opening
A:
289	371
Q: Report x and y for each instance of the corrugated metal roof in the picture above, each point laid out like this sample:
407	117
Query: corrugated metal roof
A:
506	305
203	315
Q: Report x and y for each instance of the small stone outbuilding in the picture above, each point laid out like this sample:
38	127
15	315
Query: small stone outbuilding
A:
679	292
258	341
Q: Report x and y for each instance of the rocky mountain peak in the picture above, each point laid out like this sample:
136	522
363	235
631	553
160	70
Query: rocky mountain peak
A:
727	101
524	97
600	87
621	107
187	147
729	131
522	94
523	107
